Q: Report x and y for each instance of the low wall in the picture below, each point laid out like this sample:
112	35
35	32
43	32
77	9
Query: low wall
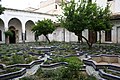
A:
18	73
106	58
54	65
108	76
13	74
111	64
27	66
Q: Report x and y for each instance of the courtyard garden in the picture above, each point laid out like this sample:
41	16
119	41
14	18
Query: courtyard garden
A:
64	61
61	60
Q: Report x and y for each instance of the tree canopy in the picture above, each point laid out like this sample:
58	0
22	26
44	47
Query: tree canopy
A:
1	9
44	27
81	15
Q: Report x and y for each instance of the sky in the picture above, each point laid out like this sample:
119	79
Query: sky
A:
20	4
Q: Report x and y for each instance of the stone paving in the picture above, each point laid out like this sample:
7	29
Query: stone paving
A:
91	71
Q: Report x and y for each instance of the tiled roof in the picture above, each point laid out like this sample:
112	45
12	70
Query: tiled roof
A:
116	16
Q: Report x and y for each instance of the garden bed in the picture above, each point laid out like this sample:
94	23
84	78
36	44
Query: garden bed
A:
108	74
10	73
27	55
112	72
9	70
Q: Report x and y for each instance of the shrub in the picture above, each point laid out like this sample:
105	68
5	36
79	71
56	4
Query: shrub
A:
8	33
16	59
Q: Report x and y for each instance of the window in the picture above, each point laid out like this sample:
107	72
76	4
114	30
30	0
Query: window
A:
108	35
55	6
0	35
109	0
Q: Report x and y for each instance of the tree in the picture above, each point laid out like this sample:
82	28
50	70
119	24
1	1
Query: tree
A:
7	33
1	9
72	18
44	27
84	15
100	19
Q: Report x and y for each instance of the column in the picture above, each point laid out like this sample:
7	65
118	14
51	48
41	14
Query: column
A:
23	32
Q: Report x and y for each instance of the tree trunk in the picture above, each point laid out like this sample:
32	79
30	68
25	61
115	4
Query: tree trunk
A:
47	38
7	40
78	39
36	38
89	44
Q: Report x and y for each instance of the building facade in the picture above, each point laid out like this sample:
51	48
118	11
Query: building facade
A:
21	21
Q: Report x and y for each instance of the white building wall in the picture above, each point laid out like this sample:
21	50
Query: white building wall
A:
101	3
59	34
116	31
113	35
45	8
67	36
42	38
85	34
49	7
117	4
73	37
23	17
114	4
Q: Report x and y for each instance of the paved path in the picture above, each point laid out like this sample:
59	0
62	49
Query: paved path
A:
34	69
91	71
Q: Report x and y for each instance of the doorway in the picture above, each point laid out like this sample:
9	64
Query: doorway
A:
92	36
12	39
108	35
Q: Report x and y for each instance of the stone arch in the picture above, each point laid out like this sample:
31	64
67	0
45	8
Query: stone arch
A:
29	35
2	29
15	26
